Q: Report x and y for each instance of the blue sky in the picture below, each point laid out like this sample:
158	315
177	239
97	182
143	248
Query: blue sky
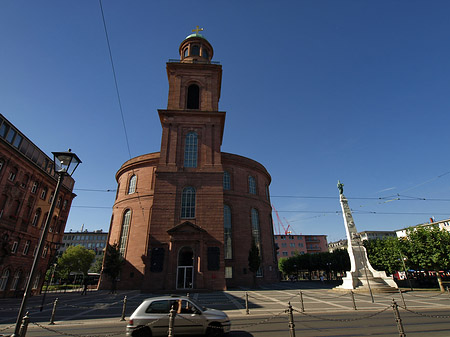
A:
314	90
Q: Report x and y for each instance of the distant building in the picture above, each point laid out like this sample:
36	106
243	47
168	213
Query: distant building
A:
27	184
341	244
289	245
373	235
443	224
95	241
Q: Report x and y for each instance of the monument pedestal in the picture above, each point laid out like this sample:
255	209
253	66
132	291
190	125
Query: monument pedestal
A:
362	277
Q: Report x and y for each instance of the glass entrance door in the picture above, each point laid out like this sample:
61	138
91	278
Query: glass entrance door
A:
185	269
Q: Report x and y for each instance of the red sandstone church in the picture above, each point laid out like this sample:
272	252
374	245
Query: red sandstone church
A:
185	217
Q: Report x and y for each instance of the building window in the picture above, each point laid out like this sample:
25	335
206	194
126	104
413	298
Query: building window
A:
51	197
193	97
292	244
132	184
251	185
12	174
190	150
44	193
255	227
65	204
124	232
36	281
34	187
4	280
14	247
285	254
44	252
228	272
26	248
188	203
2	162
283	244
195	50
205	53
226	181
227	243
58	203
16	280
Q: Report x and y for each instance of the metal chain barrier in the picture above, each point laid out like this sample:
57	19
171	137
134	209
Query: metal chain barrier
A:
425	315
260	322
8	327
74	335
344	320
437	295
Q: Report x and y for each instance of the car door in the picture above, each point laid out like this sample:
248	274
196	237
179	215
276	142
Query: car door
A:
188	319
157	317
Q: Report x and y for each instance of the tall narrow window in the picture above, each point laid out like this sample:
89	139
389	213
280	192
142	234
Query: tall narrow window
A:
190	150
132	184
193	97
34	187
16	280
12	174
188	203
251	185
195	50
4	279
255	227
227	241
124	232
26	248
226	181
36	217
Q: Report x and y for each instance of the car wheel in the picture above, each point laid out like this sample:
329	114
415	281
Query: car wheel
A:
142	331
214	330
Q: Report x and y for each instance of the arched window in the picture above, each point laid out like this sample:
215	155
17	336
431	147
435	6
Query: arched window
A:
36	281
124	232
132	184
226	181
190	150
227	241
193	97
4	280
255	227
195	50
188	203
12	174
205	53
251	185
16	280
36	217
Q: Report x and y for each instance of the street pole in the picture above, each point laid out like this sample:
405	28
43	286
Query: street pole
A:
37	257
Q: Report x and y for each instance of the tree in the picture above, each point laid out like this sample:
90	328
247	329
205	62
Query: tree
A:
254	260
428	248
112	264
96	267
75	259
385	254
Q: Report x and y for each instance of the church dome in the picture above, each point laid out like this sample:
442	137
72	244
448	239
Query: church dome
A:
195	48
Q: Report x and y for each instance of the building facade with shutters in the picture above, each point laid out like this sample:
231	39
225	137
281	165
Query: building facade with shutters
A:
185	217
27	184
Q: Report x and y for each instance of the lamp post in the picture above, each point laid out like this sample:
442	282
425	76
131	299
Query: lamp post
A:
65	163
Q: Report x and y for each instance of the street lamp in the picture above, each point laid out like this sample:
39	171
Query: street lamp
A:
65	163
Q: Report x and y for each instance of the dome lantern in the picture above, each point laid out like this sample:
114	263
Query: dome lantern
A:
195	48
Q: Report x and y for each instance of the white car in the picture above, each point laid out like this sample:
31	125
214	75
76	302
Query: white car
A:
151	318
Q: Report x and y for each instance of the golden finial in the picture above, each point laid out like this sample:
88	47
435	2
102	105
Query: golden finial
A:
196	30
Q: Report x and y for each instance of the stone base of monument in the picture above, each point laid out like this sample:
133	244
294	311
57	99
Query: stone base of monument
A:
358	282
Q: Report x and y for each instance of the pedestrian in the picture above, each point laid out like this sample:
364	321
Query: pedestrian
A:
321	278
85	286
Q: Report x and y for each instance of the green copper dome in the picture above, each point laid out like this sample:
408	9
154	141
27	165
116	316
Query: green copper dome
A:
196	35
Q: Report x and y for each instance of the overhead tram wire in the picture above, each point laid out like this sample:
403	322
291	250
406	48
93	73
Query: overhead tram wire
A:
118	95
115	79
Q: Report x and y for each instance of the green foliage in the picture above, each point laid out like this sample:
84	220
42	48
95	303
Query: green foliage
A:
254	260
427	248
337	261
96	267
75	259
385	254
113	261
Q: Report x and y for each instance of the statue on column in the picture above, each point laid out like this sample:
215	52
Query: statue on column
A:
340	187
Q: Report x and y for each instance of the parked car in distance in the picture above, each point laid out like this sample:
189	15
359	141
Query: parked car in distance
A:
151	318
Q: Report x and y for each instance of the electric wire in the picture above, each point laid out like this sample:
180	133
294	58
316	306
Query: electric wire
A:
115	79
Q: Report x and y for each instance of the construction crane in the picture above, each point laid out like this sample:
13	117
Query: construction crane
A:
286	229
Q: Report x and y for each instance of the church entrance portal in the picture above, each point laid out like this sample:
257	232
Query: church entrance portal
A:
185	269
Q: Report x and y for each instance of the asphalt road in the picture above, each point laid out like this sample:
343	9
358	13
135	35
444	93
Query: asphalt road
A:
325	312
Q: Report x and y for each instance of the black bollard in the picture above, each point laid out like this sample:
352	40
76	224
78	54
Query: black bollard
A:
124	307
52	319
398	320
353	299
171	321
246	303
24	326
301	301
291	321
